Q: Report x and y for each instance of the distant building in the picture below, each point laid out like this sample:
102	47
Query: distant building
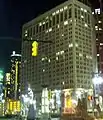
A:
7	85
99	37
1	84
14	76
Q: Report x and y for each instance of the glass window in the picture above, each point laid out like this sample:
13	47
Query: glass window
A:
34	30
53	20
43	26
40	27
50	23
30	31
70	12
88	18
46	25
79	14
61	16
57	18
65	15
75	12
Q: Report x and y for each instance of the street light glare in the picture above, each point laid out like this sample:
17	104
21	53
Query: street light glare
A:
29	89
97	80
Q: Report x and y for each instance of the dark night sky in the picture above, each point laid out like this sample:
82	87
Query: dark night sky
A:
13	14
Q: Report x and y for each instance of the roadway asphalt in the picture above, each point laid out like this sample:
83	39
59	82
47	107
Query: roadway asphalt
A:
8	119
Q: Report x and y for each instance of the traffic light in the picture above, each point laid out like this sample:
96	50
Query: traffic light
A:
35	48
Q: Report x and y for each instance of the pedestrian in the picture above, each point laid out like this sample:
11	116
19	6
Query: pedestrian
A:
31	113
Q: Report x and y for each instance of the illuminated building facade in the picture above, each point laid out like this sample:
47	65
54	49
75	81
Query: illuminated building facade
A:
66	63
12	106
15	76
99	38
7	85
1	84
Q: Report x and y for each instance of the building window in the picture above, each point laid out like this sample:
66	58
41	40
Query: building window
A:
65	15
40	28
70	12
79	14
53	20
61	16
46	25
30	31
75	12
88	19
34	30
43	27
50	23
57	19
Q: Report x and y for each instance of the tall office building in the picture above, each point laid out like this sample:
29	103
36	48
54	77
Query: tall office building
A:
67	62
15	76
99	37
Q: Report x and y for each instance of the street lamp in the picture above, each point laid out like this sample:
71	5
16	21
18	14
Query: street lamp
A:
97	80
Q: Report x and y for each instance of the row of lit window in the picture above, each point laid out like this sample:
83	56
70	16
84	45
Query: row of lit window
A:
49	23
81	29
47	29
60	60
82	9
84	16
62	53
50	29
56	32
59	71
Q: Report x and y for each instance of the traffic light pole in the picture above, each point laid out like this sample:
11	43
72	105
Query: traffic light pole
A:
35	45
32	40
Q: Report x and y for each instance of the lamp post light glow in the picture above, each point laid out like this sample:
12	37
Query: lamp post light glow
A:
97	80
97	91
27	101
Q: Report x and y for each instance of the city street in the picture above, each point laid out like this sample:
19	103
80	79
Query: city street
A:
13	118
7	119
